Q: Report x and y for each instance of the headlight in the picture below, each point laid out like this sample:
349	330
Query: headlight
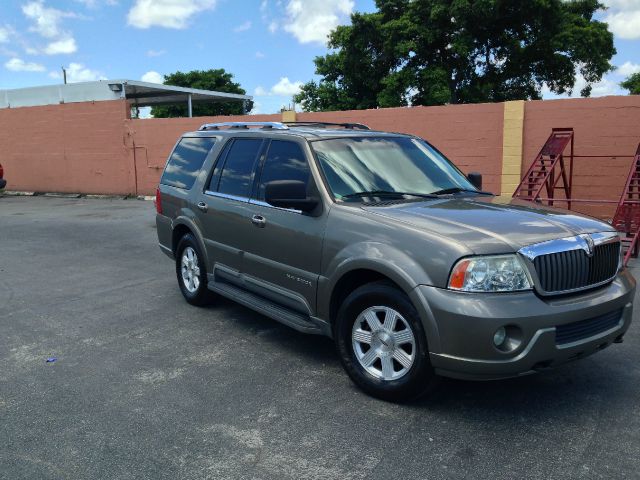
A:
500	273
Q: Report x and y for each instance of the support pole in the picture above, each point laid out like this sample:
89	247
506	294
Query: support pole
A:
189	106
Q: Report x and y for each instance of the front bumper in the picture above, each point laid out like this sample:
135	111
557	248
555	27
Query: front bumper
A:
460	328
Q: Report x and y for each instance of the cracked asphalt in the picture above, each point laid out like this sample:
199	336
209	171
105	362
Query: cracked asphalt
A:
146	386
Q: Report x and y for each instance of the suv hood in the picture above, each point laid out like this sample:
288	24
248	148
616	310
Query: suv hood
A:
490	224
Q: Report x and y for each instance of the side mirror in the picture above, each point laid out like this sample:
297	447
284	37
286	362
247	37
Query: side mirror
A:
476	179
289	194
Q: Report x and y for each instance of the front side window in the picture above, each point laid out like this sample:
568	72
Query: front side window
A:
353	166
237	172
186	161
285	161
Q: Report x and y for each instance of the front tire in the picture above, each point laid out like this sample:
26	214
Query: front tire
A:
382	344
191	272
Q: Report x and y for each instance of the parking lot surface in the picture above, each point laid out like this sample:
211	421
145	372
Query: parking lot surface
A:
146	386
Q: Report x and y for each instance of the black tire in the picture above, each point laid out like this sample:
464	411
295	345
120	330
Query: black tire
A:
201	295
419	378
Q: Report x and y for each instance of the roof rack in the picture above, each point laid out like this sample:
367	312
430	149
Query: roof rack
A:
244	125
352	126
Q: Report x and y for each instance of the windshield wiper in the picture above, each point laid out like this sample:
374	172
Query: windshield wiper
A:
446	191
388	192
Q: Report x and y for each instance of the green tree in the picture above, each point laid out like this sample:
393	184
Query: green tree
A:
632	83
434	52
215	79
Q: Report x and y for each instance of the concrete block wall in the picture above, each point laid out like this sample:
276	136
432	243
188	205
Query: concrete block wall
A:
607	126
95	147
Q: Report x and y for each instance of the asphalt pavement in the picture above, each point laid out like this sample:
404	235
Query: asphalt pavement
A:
146	386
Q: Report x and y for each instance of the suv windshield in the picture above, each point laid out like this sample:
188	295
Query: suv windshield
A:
386	166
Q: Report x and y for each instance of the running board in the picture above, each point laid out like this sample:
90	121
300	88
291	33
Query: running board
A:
297	321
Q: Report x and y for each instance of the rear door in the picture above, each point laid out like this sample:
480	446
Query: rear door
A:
225	202
282	261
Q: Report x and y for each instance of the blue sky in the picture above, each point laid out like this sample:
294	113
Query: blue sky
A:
269	45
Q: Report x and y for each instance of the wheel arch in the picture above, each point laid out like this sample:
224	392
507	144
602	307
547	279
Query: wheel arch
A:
180	228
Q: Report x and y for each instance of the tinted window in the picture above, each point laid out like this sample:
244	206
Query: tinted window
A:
215	176
236	173
285	161
186	161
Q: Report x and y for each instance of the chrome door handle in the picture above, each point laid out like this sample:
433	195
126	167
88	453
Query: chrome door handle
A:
203	206
259	221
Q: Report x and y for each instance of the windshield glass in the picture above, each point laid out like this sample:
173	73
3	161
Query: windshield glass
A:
386	164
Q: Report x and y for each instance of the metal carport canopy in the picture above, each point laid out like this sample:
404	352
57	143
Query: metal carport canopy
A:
145	94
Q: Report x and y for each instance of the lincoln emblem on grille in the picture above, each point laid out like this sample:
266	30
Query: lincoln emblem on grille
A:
588	247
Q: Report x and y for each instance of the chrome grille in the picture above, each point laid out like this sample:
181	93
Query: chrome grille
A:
564	265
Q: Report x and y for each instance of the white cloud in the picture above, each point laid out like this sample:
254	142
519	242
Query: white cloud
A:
273	26
144	112
259	54
152	77
166	13
47	22
66	46
628	68
19	65
243	27
623	17
97	3
155	53
257	108
5	33
77	72
310	21
284	88
606	86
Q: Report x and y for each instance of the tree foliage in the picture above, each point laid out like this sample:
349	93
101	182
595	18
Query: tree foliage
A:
434	52
632	83
216	79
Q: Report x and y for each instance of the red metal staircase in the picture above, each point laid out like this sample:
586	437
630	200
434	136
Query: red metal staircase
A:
627	217
552	170
549	171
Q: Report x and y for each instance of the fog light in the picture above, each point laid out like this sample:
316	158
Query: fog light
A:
499	337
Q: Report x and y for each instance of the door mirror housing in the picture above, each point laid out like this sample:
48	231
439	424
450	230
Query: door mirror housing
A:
289	194
476	179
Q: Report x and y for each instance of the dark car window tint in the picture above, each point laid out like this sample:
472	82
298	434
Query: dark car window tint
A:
215	176
285	161
237	170
186	161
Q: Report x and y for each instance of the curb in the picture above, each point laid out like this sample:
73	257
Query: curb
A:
16	193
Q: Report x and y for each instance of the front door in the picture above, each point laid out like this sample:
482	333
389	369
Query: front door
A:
282	262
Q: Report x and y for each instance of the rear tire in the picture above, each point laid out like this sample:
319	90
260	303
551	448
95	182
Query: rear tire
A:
382	344
192	272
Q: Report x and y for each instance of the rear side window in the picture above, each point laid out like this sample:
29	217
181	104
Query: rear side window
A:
285	161
186	161
238	169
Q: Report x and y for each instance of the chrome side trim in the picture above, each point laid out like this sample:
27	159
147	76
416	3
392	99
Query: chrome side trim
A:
261	203
227	196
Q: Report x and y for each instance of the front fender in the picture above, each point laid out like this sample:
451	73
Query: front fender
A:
385	260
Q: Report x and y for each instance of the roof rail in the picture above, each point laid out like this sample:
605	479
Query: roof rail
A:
352	126
245	125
